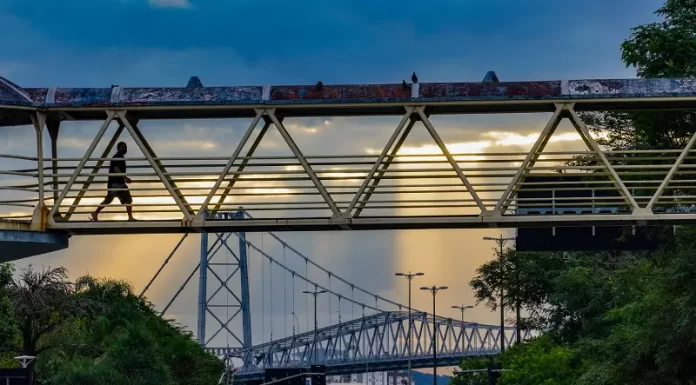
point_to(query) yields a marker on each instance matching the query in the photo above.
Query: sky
(97, 43)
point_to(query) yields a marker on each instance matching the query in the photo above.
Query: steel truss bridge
(376, 343)
(380, 190)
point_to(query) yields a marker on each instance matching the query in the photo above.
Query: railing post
(203, 287)
(38, 220)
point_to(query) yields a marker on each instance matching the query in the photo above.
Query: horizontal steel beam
(381, 366)
(352, 99)
(369, 223)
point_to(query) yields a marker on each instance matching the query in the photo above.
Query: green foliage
(526, 282)
(540, 362)
(612, 318)
(666, 48)
(95, 332)
(127, 342)
(473, 378)
(7, 324)
(657, 50)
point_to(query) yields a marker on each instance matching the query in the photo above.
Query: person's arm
(118, 171)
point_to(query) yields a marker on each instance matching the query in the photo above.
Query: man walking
(117, 184)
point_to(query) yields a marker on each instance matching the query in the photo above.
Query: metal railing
(414, 185)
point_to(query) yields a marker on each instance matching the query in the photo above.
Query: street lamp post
(434, 289)
(293, 323)
(501, 242)
(462, 308)
(409, 276)
(315, 293)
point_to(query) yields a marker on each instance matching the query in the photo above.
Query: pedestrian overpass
(382, 189)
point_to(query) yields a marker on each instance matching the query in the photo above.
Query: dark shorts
(116, 191)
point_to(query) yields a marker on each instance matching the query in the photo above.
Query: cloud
(170, 3)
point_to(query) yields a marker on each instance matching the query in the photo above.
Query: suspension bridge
(44, 200)
(371, 337)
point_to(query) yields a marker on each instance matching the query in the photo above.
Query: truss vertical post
(244, 271)
(53, 126)
(38, 218)
(203, 289)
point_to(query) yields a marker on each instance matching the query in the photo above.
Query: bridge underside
(446, 360)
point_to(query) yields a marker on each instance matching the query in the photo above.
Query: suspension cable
(308, 281)
(352, 316)
(306, 299)
(263, 293)
(330, 319)
(227, 292)
(293, 306)
(270, 294)
(285, 299)
(310, 261)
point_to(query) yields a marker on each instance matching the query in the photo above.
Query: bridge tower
(223, 288)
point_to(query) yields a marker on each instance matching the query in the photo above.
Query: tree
(473, 378)
(7, 324)
(95, 347)
(652, 334)
(42, 302)
(526, 282)
(540, 362)
(657, 50)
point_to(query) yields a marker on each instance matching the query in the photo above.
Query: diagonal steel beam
(105, 154)
(109, 117)
(385, 166)
(529, 160)
(303, 161)
(157, 166)
(592, 144)
(380, 159)
(230, 162)
(244, 163)
(672, 171)
(450, 159)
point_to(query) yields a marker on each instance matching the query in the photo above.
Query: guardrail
(413, 185)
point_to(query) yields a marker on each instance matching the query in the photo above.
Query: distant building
(379, 378)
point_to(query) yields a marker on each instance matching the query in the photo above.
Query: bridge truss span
(376, 343)
(384, 188)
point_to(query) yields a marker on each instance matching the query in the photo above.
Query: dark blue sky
(100, 42)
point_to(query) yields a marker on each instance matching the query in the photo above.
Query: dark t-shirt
(121, 164)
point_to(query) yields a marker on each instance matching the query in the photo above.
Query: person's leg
(126, 199)
(108, 199)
